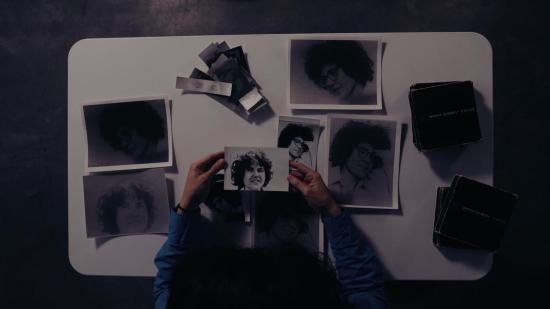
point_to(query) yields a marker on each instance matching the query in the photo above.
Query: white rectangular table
(132, 67)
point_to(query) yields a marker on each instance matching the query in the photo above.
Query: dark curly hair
(352, 134)
(293, 130)
(274, 206)
(347, 55)
(246, 278)
(243, 162)
(139, 116)
(115, 198)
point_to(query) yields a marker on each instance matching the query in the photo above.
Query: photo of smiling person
(335, 74)
(256, 169)
(301, 137)
(363, 161)
(126, 204)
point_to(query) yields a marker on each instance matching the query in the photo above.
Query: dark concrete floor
(35, 37)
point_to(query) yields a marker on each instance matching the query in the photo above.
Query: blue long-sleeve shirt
(357, 267)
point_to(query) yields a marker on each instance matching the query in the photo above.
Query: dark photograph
(363, 162)
(285, 219)
(301, 137)
(256, 169)
(335, 74)
(127, 134)
(125, 204)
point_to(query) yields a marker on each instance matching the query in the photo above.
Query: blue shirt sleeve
(180, 239)
(358, 268)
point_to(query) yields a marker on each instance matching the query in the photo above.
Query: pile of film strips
(228, 80)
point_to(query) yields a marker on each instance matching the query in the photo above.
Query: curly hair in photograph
(244, 162)
(276, 206)
(293, 130)
(115, 198)
(354, 133)
(350, 56)
(137, 116)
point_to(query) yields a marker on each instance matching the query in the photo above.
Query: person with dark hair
(282, 277)
(251, 171)
(343, 68)
(134, 128)
(294, 137)
(126, 210)
(363, 179)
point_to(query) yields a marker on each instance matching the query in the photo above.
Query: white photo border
(110, 168)
(344, 107)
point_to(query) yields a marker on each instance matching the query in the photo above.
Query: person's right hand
(311, 185)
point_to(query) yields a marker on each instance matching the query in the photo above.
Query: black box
(443, 114)
(471, 215)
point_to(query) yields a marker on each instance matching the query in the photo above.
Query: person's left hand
(199, 177)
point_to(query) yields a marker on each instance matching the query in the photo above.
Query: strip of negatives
(127, 134)
(363, 160)
(203, 86)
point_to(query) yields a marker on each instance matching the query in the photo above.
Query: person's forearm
(180, 239)
(358, 269)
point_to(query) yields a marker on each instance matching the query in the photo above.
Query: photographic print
(125, 204)
(285, 219)
(363, 162)
(301, 137)
(128, 134)
(256, 169)
(335, 74)
(230, 205)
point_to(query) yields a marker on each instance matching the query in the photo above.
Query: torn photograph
(256, 169)
(301, 137)
(127, 134)
(125, 204)
(283, 219)
(335, 74)
(363, 162)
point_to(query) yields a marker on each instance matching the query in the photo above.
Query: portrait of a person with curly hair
(341, 72)
(361, 161)
(262, 169)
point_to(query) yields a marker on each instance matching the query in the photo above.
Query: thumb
(216, 167)
(300, 185)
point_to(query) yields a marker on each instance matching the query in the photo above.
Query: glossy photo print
(363, 167)
(126, 204)
(335, 74)
(256, 169)
(301, 137)
(128, 134)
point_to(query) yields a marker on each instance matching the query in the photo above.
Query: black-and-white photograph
(128, 134)
(256, 169)
(125, 204)
(363, 162)
(335, 74)
(285, 219)
(301, 137)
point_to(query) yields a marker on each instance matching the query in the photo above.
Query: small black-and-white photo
(363, 162)
(128, 134)
(335, 74)
(256, 169)
(301, 137)
(125, 204)
(282, 219)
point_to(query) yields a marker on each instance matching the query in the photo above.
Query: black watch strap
(189, 209)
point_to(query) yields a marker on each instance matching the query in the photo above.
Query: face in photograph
(126, 210)
(341, 68)
(251, 171)
(355, 150)
(294, 137)
(133, 128)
